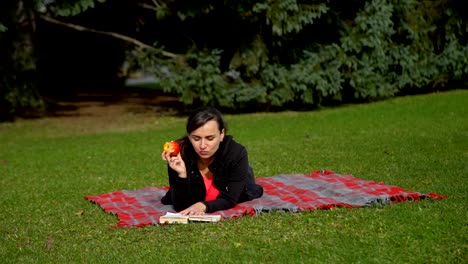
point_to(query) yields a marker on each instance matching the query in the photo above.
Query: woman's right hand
(176, 163)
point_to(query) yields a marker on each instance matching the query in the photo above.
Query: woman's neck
(204, 163)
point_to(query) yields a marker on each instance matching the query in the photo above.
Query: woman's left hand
(196, 209)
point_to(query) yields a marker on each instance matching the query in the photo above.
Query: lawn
(419, 143)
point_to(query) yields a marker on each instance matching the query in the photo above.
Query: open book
(175, 218)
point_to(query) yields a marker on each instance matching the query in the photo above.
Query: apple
(172, 145)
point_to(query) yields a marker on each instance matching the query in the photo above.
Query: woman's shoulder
(231, 147)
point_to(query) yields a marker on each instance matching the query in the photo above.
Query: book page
(178, 218)
(205, 218)
(175, 215)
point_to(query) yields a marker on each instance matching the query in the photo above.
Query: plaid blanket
(285, 192)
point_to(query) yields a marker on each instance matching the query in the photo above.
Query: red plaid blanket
(292, 192)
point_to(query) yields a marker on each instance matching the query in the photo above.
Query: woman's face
(206, 139)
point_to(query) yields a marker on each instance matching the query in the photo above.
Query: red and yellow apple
(171, 146)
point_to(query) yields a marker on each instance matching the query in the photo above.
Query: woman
(212, 171)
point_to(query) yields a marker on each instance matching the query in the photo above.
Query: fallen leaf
(49, 243)
(81, 212)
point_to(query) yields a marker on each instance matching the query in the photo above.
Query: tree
(298, 54)
(41, 51)
(236, 54)
(17, 68)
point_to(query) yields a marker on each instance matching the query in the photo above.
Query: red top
(211, 191)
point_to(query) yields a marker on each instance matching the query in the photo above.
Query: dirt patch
(114, 104)
(103, 112)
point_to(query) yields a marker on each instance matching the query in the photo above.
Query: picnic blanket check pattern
(284, 192)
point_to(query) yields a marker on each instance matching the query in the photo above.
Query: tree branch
(112, 34)
(150, 7)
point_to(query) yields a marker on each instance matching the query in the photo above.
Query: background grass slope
(418, 142)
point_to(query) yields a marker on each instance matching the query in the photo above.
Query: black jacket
(232, 176)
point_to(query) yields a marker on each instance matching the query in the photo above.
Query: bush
(388, 47)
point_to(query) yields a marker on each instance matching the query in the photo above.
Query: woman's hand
(176, 163)
(196, 209)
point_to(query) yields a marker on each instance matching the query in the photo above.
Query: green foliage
(431, 51)
(386, 47)
(18, 91)
(250, 58)
(306, 83)
(367, 45)
(318, 75)
(68, 8)
(452, 61)
(263, 54)
(18, 77)
(201, 81)
(18, 94)
(289, 16)
(3, 28)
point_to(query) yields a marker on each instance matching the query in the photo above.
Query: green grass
(419, 143)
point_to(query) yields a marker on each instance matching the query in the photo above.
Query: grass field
(419, 143)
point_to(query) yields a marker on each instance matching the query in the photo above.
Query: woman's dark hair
(202, 115)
